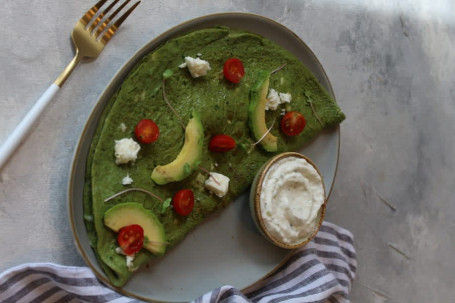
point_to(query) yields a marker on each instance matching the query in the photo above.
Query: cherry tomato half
(146, 131)
(131, 238)
(233, 70)
(221, 143)
(183, 202)
(293, 123)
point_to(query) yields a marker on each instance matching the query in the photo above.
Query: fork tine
(109, 19)
(101, 15)
(92, 12)
(113, 28)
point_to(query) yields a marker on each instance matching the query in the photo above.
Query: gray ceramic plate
(226, 249)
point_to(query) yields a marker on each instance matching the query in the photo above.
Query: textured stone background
(391, 64)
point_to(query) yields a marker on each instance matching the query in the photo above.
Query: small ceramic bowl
(255, 203)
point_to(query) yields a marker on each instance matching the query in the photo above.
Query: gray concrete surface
(391, 64)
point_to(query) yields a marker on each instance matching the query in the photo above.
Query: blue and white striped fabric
(322, 271)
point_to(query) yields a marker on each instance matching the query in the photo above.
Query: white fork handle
(21, 131)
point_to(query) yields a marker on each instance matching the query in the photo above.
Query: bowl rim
(257, 188)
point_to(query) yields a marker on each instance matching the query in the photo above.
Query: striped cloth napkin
(322, 271)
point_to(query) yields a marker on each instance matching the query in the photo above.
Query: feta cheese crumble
(285, 97)
(126, 151)
(197, 67)
(122, 127)
(127, 180)
(129, 259)
(217, 184)
(275, 98)
(129, 263)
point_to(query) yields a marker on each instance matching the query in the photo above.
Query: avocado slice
(256, 112)
(188, 158)
(129, 213)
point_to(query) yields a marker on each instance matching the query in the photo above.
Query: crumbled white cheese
(285, 97)
(127, 180)
(129, 259)
(218, 184)
(126, 150)
(275, 98)
(197, 67)
(122, 127)
(129, 263)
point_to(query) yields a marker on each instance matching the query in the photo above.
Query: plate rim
(170, 33)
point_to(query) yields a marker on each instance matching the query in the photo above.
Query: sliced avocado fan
(256, 112)
(187, 160)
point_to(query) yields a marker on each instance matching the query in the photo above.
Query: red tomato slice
(293, 123)
(146, 131)
(221, 143)
(233, 70)
(183, 202)
(131, 238)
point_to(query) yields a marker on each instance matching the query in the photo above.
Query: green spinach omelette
(184, 88)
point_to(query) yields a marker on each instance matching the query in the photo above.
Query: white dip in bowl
(288, 200)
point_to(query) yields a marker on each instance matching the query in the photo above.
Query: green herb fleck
(168, 73)
(166, 205)
(88, 218)
(244, 146)
(187, 168)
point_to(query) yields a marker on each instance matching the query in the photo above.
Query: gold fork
(89, 36)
